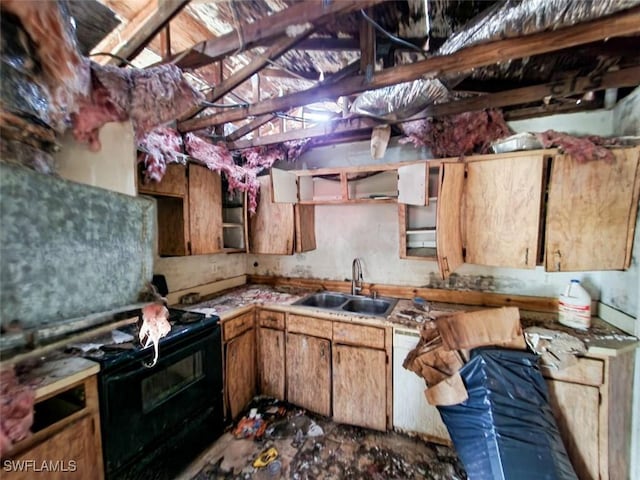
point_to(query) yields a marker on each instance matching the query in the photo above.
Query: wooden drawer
(587, 371)
(316, 327)
(237, 325)
(271, 319)
(362, 335)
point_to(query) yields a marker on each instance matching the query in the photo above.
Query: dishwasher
(411, 412)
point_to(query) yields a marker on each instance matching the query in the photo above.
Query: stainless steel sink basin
(342, 302)
(324, 300)
(369, 306)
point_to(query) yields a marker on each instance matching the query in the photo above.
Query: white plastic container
(574, 306)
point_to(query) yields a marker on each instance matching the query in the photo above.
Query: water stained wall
(68, 249)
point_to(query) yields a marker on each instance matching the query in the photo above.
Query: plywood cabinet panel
(359, 386)
(591, 212)
(575, 408)
(272, 226)
(305, 228)
(240, 372)
(502, 201)
(308, 368)
(309, 326)
(413, 184)
(174, 182)
(72, 450)
(205, 210)
(271, 365)
(448, 231)
(271, 319)
(235, 326)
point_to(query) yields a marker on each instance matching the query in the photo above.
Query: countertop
(601, 339)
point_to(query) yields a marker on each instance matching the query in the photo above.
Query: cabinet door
(576, 408)
(205, 210)
(502, 201)
(272, 226)
(240, 371)
(271, 362)
(305, 228)
(413, 184)
(591, 213)
(308, 369)
(174, 182)
(73, 450)
(359, 386)
(448, 224)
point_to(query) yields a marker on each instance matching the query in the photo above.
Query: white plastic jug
(574, 306)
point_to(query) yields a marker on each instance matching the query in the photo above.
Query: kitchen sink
(342, 302)
(370, 306)
(324, 300)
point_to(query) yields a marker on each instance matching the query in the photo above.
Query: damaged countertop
(601, 339)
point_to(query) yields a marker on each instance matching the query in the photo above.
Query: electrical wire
(397, 40)
(108, 54)
(204, 103)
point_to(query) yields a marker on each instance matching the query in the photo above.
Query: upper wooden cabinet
(502, 199)
(189, 202)
(280, 228)
(591, 212)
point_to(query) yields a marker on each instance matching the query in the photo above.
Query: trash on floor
(303, 446)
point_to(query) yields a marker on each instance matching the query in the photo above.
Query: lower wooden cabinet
(271, 362)
(359, 386)
(240, 363)
(592, 404)
(66, 442)
(308, 371)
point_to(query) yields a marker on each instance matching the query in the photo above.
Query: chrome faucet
(356, 277)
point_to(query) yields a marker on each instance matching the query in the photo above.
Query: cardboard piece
(495, 326)
(450, 391)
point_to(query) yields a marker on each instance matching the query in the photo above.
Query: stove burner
(189, 317)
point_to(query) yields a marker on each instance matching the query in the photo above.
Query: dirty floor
(311, 447)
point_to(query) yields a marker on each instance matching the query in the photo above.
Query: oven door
(144, 409)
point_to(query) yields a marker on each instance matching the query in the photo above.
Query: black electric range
(154, 420)
(185, 325)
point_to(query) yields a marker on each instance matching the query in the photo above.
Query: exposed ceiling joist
(283, 44)
(565, 87)
(552, 109)
(367, 47)
(327, 129)
(250, 127)
(139, 31)
(519, 96)
(626, 23)
(255, 33)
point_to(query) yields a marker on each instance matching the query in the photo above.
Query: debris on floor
(303, 446)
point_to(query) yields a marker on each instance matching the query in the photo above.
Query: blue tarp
(505, 429)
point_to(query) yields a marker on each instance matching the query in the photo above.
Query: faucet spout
(356, 277)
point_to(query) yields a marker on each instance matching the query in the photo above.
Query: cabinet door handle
(526, 256)
(277, 341)
(322, 352)
(338, 357)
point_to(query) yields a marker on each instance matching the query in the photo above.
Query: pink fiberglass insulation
(582, 149)
(65, 70)
(160, 94)
(16, 410)
(148, 97)
(160, 146)
(108, 101)
(219, 159)
(457, 135)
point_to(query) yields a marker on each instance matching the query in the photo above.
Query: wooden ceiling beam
(367, 47)
(626, 23)
(250, 127)
(139, 31)
(265, 28)
(552, 109)
(326, 129)
(519, 96)
(628, 77)
(283, 44)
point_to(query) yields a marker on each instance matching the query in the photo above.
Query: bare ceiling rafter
(626, 23)
(130, 41)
